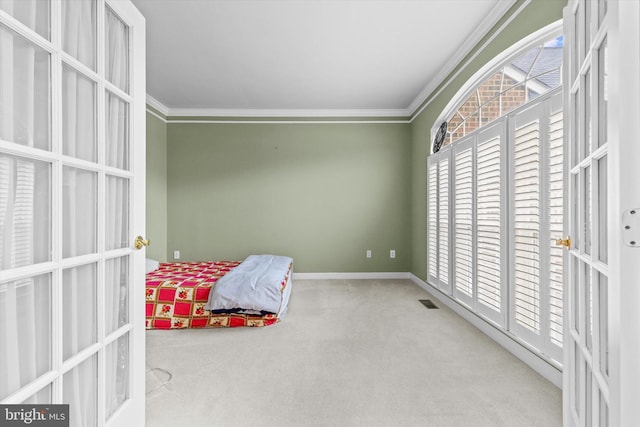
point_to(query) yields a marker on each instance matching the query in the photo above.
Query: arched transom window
(522, 79)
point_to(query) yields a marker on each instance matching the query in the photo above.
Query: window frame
(498, 63)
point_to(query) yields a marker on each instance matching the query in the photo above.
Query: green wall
(538, 14)
(156, 205)
(321, 193)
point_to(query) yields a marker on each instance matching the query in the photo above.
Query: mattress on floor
(176, 294)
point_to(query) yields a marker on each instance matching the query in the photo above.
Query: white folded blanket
(255, 284)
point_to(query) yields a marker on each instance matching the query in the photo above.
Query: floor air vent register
(428, 303)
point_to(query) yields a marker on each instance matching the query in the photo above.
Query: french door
(72, 167)
(602, 339)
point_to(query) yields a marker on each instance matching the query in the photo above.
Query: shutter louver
(488, 193)
(443, 222)
(556, 219)
(432, 220)
(526, 216)
(463, 269)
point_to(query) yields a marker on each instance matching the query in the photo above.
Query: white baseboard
(350, 276)
(543, 367)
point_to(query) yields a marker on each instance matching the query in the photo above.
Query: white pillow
(151, 264)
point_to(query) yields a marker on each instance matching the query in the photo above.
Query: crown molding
(374, 115)
(290, 121)
(157, 105)
(497, 13)
(156, 115)
(279, 113)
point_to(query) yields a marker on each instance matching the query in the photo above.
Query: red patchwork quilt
(177, 292)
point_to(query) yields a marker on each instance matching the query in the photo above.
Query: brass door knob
(564, 242)
(140, 242)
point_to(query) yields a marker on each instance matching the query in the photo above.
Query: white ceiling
(306, 57)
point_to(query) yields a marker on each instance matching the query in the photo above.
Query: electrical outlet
(368, 253)
(176, 254)
(392, 253)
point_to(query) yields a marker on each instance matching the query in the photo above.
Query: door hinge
(631, 227)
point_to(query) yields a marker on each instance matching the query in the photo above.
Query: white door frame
(624, 195)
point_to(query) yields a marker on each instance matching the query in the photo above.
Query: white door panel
(72, 168)
(602, 86)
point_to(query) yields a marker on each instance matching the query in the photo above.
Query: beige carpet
(349, 353)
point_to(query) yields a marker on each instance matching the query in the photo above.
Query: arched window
(521, 78)
(495, 196)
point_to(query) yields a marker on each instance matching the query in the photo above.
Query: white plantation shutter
(490, 252)
(555, 221)
(463, 221)
(432, 218)
(443, 223)
(536, 218)
(495, 206)
(526, 224)
(438, 217)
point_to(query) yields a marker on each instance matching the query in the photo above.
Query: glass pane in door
(117, 51)
(41, 397)
(577, 369)
(80, 387)
(586, 209)
(79, 209)
(116, 293)
(117, 215)
(32, 13)
(603, 93)
(587, 25)
(79, 308)
(117, 136)
(602, 11)
(25, 211)
(574, 227)
(588, 410)
(588, 125)
(578, 42)
(79, 30)
(25, 332)
(25, 92)
(78, 115)
(604, 412)
(117, 365)
(588, 305)
(603, 289)
(603, 211)
(575, 295)
(575, 131)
